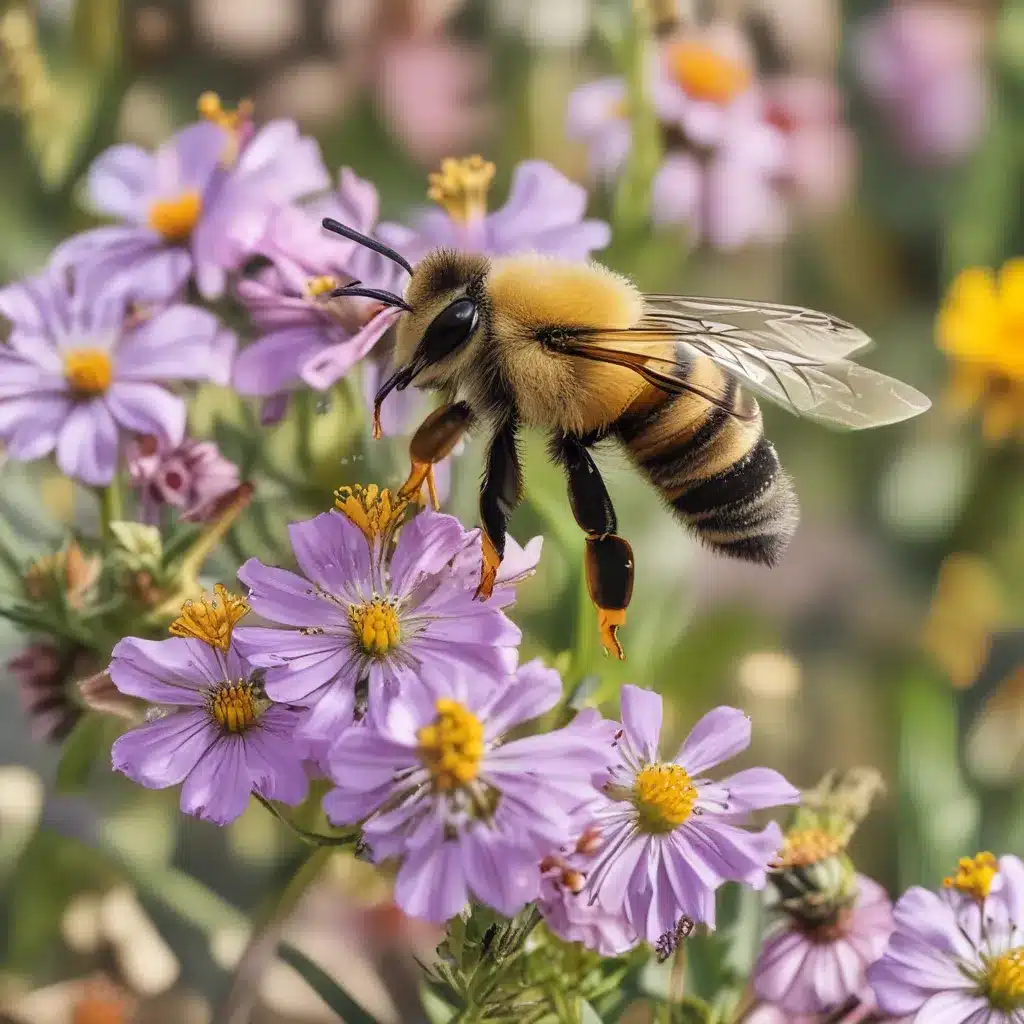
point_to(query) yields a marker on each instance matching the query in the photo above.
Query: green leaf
(588, 1015)
(325, 987)
(938, 812)
(88, 744)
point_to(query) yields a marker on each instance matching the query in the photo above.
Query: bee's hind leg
(609, 558)
(433, 441)
(500, 493)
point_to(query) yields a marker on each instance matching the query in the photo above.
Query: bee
(577, 351)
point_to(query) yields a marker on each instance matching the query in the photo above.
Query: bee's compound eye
(451, 328)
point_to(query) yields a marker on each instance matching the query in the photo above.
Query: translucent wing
(791, 356)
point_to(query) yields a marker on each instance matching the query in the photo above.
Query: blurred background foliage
(892, 634)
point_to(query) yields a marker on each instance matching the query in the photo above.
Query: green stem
(111, 508)
(309, 838)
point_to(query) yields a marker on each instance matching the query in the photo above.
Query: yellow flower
(981, 330)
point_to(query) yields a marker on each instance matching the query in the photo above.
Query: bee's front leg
(433, 441)
(609, 558)
(502, 488)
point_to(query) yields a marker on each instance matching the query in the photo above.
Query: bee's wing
(791, 356)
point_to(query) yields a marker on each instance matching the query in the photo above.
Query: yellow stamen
(806, 846)
(371, 508)
(1004, 981)
(210, 108)
(376, 627)
(175, 218)
(210, 619)
(88, 371)
(664, 797)
(235, 706)
(317, 286)
(461, 187)
(452, 746)
(706, 74)
(974, 876)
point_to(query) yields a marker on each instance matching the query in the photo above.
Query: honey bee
(577, 351)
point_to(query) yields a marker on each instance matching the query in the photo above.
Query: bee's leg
(500, 493)
(433, 441)
(609, 558)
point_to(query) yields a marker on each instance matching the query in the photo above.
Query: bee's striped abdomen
(718, 471)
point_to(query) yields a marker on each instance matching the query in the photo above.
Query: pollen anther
(461, 187)
(705, 74)
(663, 795)
(88, 371)
(235, 707)
(373, 509)
(376, 626)
(175, 218)
(806, 846)
(210, 619)
(452, 746)
(1004, 980)
(974, 876)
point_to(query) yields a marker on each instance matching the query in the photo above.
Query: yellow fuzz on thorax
(806, 846)
(175, 218)
(235, 706)
(664, 797)
(210, 619)
(461, 187)
(451, 747)
(1004, 980)
(974, 876)
(376, 626)
(317, 286)
(373, 509)
(88, 371)
(705, 74)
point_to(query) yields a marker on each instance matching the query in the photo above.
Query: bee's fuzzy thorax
(543, 291)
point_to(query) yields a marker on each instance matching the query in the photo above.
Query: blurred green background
(891, 634)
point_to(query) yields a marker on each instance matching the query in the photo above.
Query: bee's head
(442, 313)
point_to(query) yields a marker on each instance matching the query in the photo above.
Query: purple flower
(212, 728)
(42, 672)
(671, 835)
(75, 373)
(543, 213)
(193, 477)
(191, 208)
(817, 969)
(468, 812)
(958, 957)
(307, 337)
(923, 63)
(358, 614)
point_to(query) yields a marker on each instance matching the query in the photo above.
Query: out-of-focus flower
(671, 835)
(468, 812)
(69, 573)
(564, 905)
(194, 477)
(194, 207)
(75, 373)
(42, 674)
(306, 336)
(820, 150)
(979, 329)
(212, 727)
(543, 213)
(958, 956)
(723, 157)
(923, 63)
(95, 1000)
(360, 611)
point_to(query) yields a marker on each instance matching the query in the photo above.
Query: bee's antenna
(370, 243)
(388, 298)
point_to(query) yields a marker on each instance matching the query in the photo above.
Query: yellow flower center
(664, 797)
(317, 286)
(704, 74)
(461, 187)
(88, 371)
(1004, 981)
(806, 846)
(452, 746)
(235, 706)
(376, 627)
(373, 509)
(175, 218)
(974, 876)
(210, 619)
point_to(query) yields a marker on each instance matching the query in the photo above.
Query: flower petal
(536, 689)
(148, 409)
(87, 445)
(283, 596)
(721, 734)
(177, 343)
(118, 180)
(432, 883)
(172, 671)
(218, 787)
(162, 753)
(331, 551)
(641, 716)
